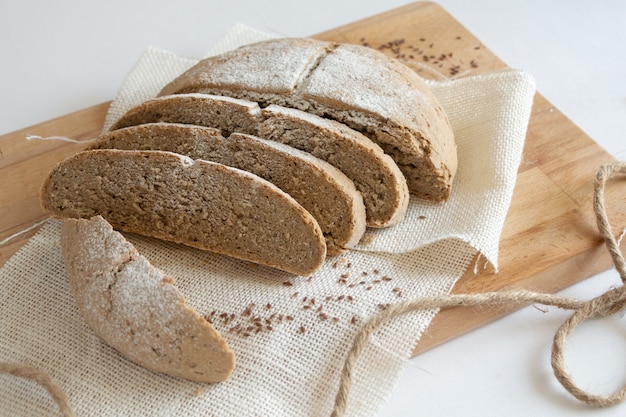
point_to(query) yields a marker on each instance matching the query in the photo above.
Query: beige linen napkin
(290, 367)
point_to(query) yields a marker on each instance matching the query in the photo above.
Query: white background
(63, 55)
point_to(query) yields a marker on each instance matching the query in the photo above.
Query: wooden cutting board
(549, 241)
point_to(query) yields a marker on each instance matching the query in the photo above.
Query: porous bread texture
(355, 85)
(320, 188)
(375, 174)
(197, 203)
(136, 309)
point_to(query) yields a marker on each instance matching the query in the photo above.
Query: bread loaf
(320, 188)
(374, 173)
(135, 308)
(355, 85)
(197, 203)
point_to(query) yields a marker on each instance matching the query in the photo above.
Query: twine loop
(611, 302)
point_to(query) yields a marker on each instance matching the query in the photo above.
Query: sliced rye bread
(374, 173)
(197, 203)
(355, 85)
(319, 187)
(136, 309)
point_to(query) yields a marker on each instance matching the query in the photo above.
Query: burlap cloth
(290, 365)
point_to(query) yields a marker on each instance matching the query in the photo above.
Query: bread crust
(136, 309)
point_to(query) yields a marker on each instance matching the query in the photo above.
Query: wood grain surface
(549, 240)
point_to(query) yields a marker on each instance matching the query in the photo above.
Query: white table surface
(63, 55)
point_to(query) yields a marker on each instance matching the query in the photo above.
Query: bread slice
(320, 188)
(226, 113)
(135, 308)
(197, 203)
(355, 85)
(374, 173)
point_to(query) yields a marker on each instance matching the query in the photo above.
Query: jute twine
(609, 303)
(42, 378)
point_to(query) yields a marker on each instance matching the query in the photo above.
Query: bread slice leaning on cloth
(375, 174)
(136, 309)
(197, 203)
(363, 88)
(320, 188)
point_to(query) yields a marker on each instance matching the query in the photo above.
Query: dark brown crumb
(287, 284)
